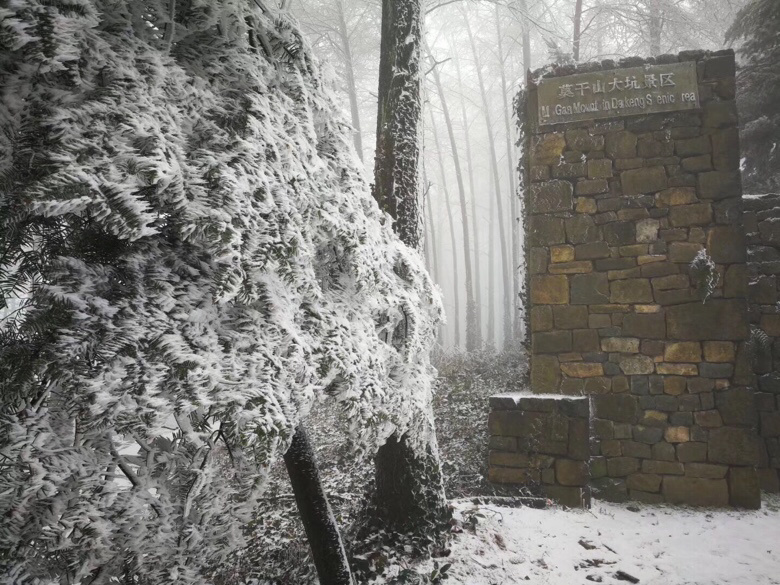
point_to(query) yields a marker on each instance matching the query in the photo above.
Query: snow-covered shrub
(196, 260)
(704, 274)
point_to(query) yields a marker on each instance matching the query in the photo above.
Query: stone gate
(631, 173)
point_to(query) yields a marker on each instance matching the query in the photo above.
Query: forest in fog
(476, 56)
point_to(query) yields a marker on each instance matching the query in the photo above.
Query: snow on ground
(661, 545)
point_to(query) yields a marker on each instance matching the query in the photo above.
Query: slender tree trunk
(409, 491)
(322, 531)
(346, 49)
(473, 196)
(456, 279)
(472, 333)
(434, 245)
(577, 30)
(491, 268)
(505, 261)
(526, 27)
(510, 161)
(655, 26)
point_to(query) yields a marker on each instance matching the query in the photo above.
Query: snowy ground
(661, 545)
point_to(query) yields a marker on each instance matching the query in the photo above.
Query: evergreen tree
(189, 258)
(758, 93)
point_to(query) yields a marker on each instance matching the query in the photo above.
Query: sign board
(635, 91)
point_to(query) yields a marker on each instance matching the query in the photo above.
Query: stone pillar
(762, 224)
(540, 443)
(622, 196)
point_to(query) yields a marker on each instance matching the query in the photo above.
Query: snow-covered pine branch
(200, 260)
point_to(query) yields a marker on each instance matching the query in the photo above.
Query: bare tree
(472, 332)
(505, 261)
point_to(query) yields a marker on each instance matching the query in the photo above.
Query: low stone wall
(762, 224)
(541, 443)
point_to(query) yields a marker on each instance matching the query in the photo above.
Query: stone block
(599, 168)
(544, 230)
(635, 449)
(771, 325)
(736, 281)
(737, 406)
(620, 233)
(770, 424)
(581, 229)
(693, 146)
(571, 497)
(576, 267)
(513, 475)
(622, 408)
(591, 186)
(592, 251)
(654, 418)
(505, 459)
(683, 351)
(588, 289)
(726, 244)
(551, 342)
(547, 149)
(502, 443)
(545, 374)
(636, 365)
(697, 164)
(671, 282)
(648, 435)
(688, 215)
(719, 185)
(647, 230)
(539, 173)
(570, 316)
(725, 149)
(585, 205)
(676, 196)
(516, 423)
(708, 419)
(677, 369)
(622, 466)
(708, 370)
(620, 344)
(720, 67)
(664, 452)
(581, 139)
(571, 473)
(644, 180)
(562, 253)
(695, 491)
(564, 170)
(674, 385)
(662, 467)
(768, 480)
(763, 290)
(537, 261)
(717, 320)
(621, 145)
(645, 326)
(541, 318)
(744, 489)
(733, 446)
(551, 196)
(549, 290)
(646, 482)
(677, 435)
(582, 369)
(585, 340)
(579, 447)
(683, 251)
(706, 470)
(634, 290)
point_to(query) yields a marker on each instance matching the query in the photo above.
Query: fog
(479, 53)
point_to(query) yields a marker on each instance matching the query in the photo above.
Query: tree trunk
(510, 161)
(507, 284)
(655, 26)
(526, 41)
(577, 28)
(445, 190)
(350, 71)
(322, 531)
(472, 333)
(491, 269)
(473, 194)
(409, 492)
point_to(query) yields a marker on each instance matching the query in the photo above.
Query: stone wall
(762, 224)
(616, 211)
(541, 443)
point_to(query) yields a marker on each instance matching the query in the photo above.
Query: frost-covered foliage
(192, 258)
(704, 274)
(758, 92)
